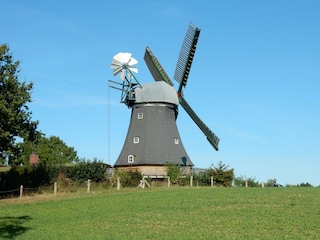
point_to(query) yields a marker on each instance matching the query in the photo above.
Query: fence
(23, 191)
(19, 191)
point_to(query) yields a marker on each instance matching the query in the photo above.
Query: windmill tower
(153, 138)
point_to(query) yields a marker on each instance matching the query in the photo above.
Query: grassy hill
(166, 213)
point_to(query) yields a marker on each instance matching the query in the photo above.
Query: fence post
(55, 189)
(191, 180)
(246, 183)
(88, 185)
(145, 181)
(21, 191)
(118, 183)
(262, 184)
(168, 181)
(211, 181)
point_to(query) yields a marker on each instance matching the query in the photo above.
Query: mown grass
(166, 213)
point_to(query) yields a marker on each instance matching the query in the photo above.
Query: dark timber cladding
(153, 137)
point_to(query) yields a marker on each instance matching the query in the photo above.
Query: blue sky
(254, 79)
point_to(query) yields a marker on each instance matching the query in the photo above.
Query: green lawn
(167, 213)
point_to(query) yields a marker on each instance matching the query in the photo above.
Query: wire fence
(27, 191)
(9, 191)
(19, 192)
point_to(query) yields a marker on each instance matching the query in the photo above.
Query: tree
(15, 120)
(51, 150)
(271, 182)
(173, 171)
(241, 182)
(222, 176)
(304, 185)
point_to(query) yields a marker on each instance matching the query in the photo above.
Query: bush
(81, 172)
(29, 176)
(174, 172)
(202, 178)
(45, 174)
(241, 182)
(127, 179)
(222, 175)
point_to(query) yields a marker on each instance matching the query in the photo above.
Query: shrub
(222, 175)
(29, 176)
(81, 172)
(174, 172)
(127, 179)
(241, 182)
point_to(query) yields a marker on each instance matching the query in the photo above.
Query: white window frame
(136, 140)
(130, 158)
(140, 115)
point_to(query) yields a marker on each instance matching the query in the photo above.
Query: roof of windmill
(157, 91)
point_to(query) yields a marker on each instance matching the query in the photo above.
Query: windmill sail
(212, 138)
(185, 59)
(155, 67)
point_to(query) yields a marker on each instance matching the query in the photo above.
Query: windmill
(153, 138)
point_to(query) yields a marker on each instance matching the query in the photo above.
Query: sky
(254, 79)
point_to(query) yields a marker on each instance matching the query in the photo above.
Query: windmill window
(136, 140)
(176, 141)
(140, 115)
(130, 159)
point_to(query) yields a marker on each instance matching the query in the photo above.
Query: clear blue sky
(254, 79)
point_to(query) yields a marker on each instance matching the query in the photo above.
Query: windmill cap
(158, 91)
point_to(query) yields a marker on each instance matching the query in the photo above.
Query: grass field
(166, 213)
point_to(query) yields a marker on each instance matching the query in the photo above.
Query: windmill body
(153, 139)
